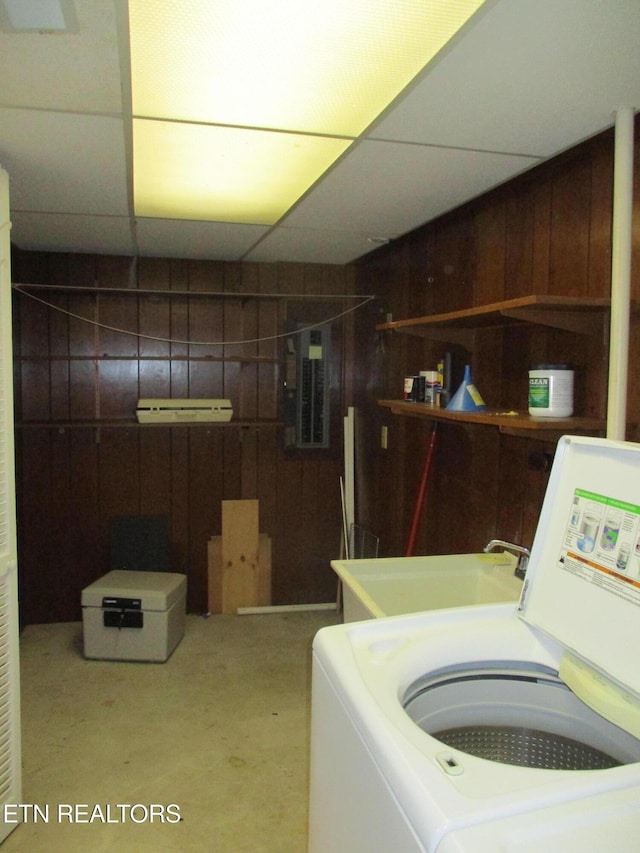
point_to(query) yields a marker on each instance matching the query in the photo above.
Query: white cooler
(134, 615)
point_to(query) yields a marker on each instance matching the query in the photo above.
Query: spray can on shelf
(431, 386)
(444, 379)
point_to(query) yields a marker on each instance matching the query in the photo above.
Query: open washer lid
(583, 580)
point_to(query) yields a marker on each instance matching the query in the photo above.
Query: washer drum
(517, 714)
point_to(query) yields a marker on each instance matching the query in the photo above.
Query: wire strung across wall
(96, 323)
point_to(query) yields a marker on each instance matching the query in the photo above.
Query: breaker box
(307, 391)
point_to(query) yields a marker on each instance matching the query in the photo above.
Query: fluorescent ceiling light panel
(320, 68)
(224, 174)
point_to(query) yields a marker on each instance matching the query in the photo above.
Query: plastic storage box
(137, 616)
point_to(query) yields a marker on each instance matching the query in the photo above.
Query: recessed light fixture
(239, 106)
(42, 16)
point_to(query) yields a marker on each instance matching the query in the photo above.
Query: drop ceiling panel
(528, 77)
(206, 240)
(63, 162)
(386, 188)
(311, 246)
(532, 76)
(58, 232)
(65, 71)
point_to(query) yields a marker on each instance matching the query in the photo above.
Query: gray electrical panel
(307, 387)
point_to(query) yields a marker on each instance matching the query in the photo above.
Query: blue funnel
(467, 398)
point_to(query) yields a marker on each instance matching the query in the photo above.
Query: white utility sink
(391, 586)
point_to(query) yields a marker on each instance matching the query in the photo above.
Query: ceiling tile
(207, 240)
(386, 188)
(532, 76)
(64, 162)
(311, 246)
(526, 77)
(58, 232)
(65, 71)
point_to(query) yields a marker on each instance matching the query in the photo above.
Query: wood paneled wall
(547, 232)
(74, 479)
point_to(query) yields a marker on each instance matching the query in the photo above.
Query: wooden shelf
(586, 316)
(507, 422)
(574, 314)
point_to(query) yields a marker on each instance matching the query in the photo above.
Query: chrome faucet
(521, 552)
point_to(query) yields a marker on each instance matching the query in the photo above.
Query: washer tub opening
(516, 713)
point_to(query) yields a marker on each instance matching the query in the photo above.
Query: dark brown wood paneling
(490, 225)
(599, 277)
(88, 537)
(546, 232)
(179, 504)
(570, 217)
(40, 566)
(520, 213)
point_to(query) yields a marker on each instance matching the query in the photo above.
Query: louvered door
(10, 772)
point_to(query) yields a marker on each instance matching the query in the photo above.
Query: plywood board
(240, 540)
(215, 573)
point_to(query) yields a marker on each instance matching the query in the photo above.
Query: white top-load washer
(497, 727)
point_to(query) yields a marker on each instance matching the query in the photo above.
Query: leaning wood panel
(240, 532)
(216, 574)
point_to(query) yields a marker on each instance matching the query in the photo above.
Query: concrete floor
(221, 730)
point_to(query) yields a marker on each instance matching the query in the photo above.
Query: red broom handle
(422, 491)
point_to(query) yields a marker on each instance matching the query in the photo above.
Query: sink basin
(391, 586)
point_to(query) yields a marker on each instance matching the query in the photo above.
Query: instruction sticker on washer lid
(602, 543)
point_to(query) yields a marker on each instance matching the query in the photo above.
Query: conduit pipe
(620, 274)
